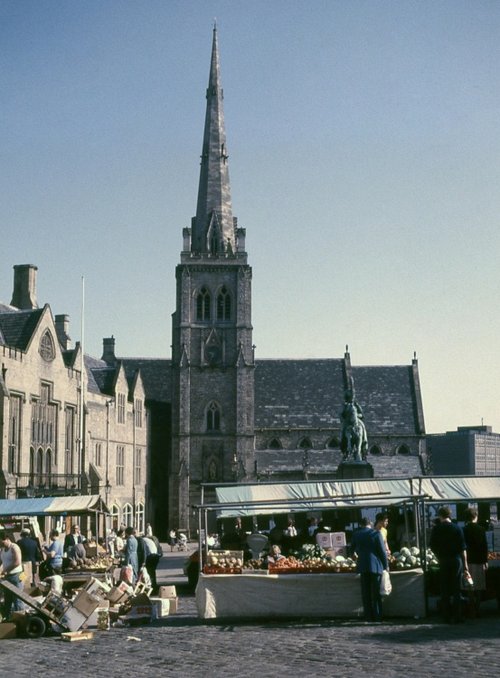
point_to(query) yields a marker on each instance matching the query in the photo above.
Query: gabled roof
(291, 394)
(100, 376)
(17, 327)
(156, 375)
(387, 397)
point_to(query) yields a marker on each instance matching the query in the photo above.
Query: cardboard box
(120, 593)
(167, 592)
(324, 539)
(85, 603)
(161, 607)
(174, 605)
(338, 539)
(71, 636)
(73, 619)
(8, 630)
(93, 619)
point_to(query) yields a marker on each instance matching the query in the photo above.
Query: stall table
(303, 595)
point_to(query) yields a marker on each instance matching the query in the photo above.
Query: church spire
(213, 228)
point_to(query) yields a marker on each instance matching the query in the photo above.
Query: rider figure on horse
(353, 438)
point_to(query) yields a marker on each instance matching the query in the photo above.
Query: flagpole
(82, 383)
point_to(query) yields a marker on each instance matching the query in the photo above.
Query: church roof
(387, 397)
(298, 393)
(291, 394)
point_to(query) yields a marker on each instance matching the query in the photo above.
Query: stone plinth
(354, 470)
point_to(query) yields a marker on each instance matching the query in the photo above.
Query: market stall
(303, 595)
(306, 591)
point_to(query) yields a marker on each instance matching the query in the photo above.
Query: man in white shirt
(10, 569)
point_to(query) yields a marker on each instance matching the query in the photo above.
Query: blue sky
(364, 143)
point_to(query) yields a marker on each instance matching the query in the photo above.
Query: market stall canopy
(52, 506)
(307, 496)
(268, 498)
(459, 488)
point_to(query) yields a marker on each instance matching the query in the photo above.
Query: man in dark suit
(368, 544)
(72, 539)
(30, 551)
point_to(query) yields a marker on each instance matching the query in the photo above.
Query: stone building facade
(53, 441)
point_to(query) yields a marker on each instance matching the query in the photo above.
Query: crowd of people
(136, 553)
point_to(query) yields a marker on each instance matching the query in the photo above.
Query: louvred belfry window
(203, 305)
(223, 305)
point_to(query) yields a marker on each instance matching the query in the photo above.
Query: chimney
(24, 295)
(108, 350)
(62, 327)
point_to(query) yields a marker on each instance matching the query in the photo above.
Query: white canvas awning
(268, 498)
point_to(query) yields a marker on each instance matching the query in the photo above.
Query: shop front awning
(52, 506)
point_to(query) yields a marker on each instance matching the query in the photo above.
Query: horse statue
(354, 441)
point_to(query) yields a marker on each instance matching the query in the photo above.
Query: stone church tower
(212, 351)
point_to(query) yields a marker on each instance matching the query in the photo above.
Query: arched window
(213, 417)
(39, 465)
(333, 443)
(305, 444)
(115, 516)
(139, 517)
(275, 444)
(32, 466)
(127, 515)
(403, 449)
(48, 462)
(203, 305)
(375, 449)
(224, 304)
(47, 349)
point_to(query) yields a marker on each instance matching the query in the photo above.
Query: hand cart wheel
(35, 626)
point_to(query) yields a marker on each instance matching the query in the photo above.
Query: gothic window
(224, 305)
(120, 466)
(69, 440)
(139, 517)
(48, 462)
(115, 516)
(14, 432)
(213, 417)
(127, 515)
(305, 444)
(121, 408)
(214, 241)
(375, 450)
(403, 449)
(46, 349)
(333, 443)
(275, 444)
(32, 466)
(138, 413)
(203, 305)
(138, 466)
(98, 454)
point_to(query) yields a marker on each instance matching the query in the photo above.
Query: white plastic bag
(385, 583)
